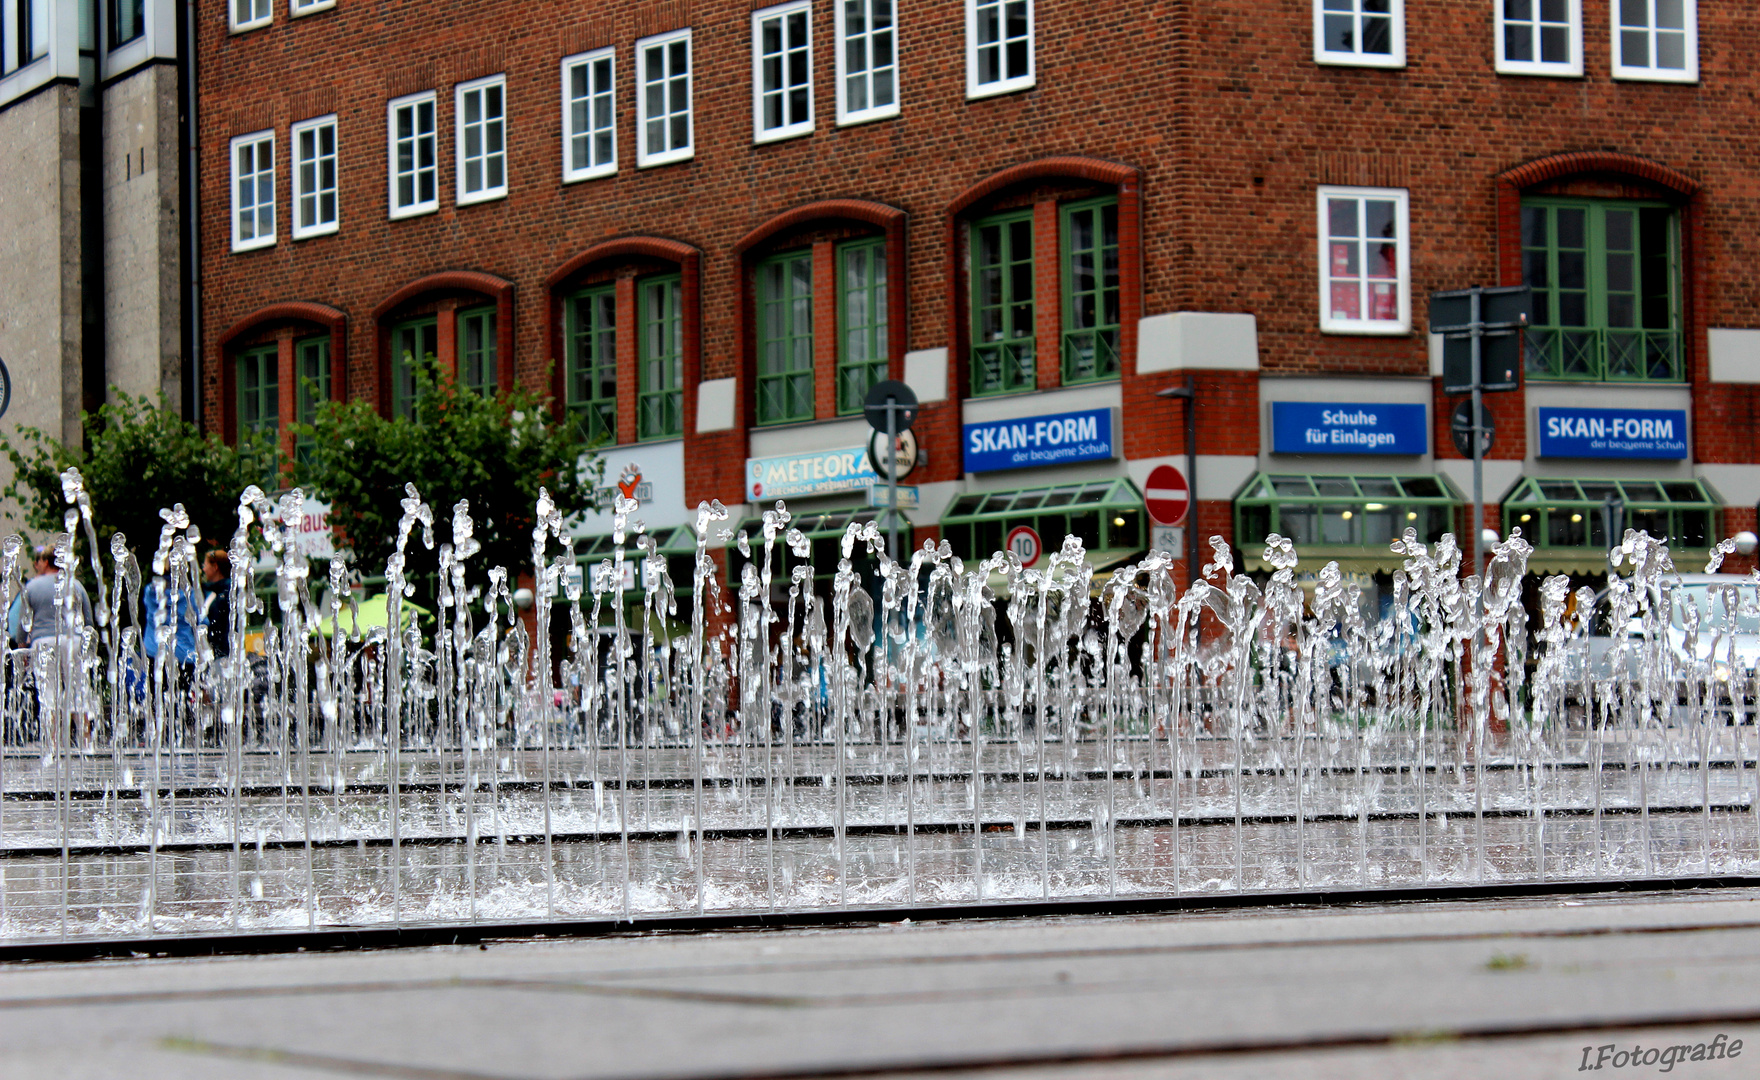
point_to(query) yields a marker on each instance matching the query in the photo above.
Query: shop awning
(1351, 520)
(1106, 514)
(824, 530)
(1565, 518)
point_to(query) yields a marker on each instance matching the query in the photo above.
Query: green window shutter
(312, 366)
(477, 358)
(660, 363)
(1606, 287)
(1002, 303)
(785, 338)
(862, 344)
(1090, 290)
(590, 379)
(414, 345)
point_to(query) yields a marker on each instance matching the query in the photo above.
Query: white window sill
(1624, 74)
(997, 89)
(254, 245)
(316, 231)
(418, 210)
(793, 131)
(597, 173)
(242, 28)
(867, 116)
(1537, 70)
(482, 197)
(1367, 60)
(670, 158)
(297, 10)
(1365, 328)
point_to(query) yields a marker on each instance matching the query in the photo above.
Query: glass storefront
(1342, 517)
(1107, 515)
(825, 532)
(1565, 519)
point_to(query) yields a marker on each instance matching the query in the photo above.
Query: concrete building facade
(705, 227)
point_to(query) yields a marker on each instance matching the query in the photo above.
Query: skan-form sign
(1055, 439)
(1335, 427)
(1613, 433)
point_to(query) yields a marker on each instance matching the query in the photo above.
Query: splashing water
(869, 733)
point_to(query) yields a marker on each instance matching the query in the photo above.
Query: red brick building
(705, 228)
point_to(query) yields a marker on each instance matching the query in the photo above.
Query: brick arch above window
(617, 254)
(1665, 180)
(278, 316)
(1127, 180)
(888, 218)
(498, 290)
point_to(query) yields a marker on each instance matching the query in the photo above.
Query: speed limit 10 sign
(1024, 542)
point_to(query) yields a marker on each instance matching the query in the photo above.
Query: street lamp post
(1191, 399)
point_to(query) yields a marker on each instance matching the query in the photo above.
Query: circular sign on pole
(5, 388)
(1023, 540)
(1460, 425)
(902, 398)
(904, 447)
(1167, 495)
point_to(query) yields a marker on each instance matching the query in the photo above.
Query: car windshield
(1709, 600)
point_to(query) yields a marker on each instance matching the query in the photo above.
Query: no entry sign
(1023, 540)
(1167, 495)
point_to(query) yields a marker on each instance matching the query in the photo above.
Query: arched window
(278, 364)
(457, 323)
(623, 331)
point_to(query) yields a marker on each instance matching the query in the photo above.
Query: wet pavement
(1505, 989)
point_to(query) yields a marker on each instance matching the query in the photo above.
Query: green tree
(138, 458)
(494, 451)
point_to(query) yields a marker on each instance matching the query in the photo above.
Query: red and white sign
(1167, 495)
(1024, 542)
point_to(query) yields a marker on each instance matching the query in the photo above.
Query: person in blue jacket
(153, 616)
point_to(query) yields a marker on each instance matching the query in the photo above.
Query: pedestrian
(154, 618)
(52, 635)
(217, 608)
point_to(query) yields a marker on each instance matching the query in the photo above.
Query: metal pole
(1478, 436)
(1191, 482)
(892, 477)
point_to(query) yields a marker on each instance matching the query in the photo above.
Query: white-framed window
(412, 169)
(253, 191)
(589, 115)
(1656, 40)
(314, 177)
(480, 141)
(249, 14)
(663, 99)
(1360, 33)
(999, 46)
(296, 8)
(1539, 37)
(24, 34)
(1365, 263)
(867, 60)
(782, 71)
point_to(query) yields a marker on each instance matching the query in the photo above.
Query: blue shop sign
(1614, 433)
(823, 472)
(1348, 427)
(1027, 441)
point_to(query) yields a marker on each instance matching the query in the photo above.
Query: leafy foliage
(138, 458)
(494, 451)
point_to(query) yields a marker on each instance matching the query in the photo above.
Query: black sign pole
(892, 477)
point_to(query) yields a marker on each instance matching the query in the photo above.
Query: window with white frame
(782, 72)
(253, 191)
(999, 46)
(589, 119)
(314, 177)
(297, 8)
(1539, 37)
(663, 99)
(1364, 261)
(250, 14)
(1656, 40)
(24, 33)
(480, 111)
(1363, 33)
(867, 60)
(414, 172)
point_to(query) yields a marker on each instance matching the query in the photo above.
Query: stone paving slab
(1509, 989)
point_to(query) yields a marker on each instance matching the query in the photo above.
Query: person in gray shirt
(38, 595)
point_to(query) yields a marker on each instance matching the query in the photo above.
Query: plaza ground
(1511, 989)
